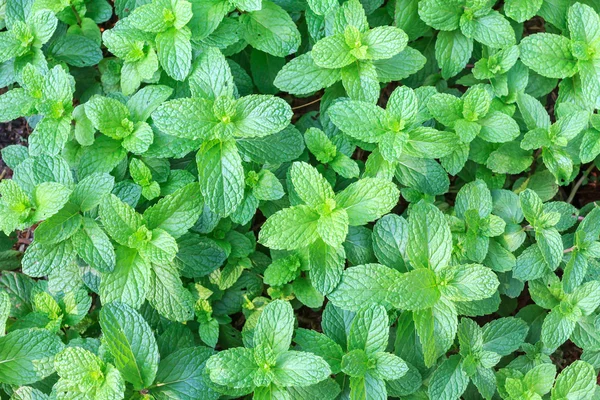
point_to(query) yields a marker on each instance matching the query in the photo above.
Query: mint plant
(362, 358)
(320, 199)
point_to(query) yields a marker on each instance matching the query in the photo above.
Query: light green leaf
(429, 238)
(271, 30)
(452, 52)
(549, 55)
(577, 381)
(27, 356)
(296, 368)
(131, 342)
(129, 282)
(310, 185)
(416, 290)
(449, 381)
(180, 376)
(369, 331)
(221, 176)
(275, 327)
(94, 247)
(175, 52)
(365, 284)
(290, 228)
(367, 199)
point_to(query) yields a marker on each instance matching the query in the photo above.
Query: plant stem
(307, 104)
(579, 183)
(76, 14)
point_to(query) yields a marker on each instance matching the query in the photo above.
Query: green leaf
(575, 381)
(290, 228)
(207, 15)
(521, 10)
(221, 176)
(365, 284)
(550, 244)
(584, 23)
(175, 52)
(94, 247)
(452, 52)
(361, 120)
(504, 335)
(28, 393)
(77, 364)
(271, 30)
(278, 148)
(416, 290)
(233, 367)
(498, 127)
(296, 368)
(27, 356)
(333, 228)
(107, 115)
(129, 282)
(14, 104)
(441, 14)
(90, 190)
(326, 265)
(60, 226)
(557, 328)
(302, 76)
(367, 200)
(390, 237)
(436, 328)
(590, 145)
(261, 115)
(449, 381)
(389, 366)
(176, 213)
(404, 64)
(509, 158)
(167, 294)
(188, 118)
(76, 50)
(120, 219)
(180, 375)
(369, 331)
(310, 185)
(131, 342)
(429, 239)
(275, 327)
(48, 199)
(332, 52)
(211, 77)
(361, 82)
(540, 378)
(473, 196)
(355, 363)
(468, 282)
(4, 311)
(492, 30)
(103, 156)
(384, 42)
(321, 7)
(424, 175)
(549, 55)
(321, 345)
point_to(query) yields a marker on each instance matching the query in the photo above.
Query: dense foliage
(300, 199)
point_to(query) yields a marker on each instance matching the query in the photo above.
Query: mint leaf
(27, 355)
(131, 343)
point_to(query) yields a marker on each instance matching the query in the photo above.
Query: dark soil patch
(14, 132)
